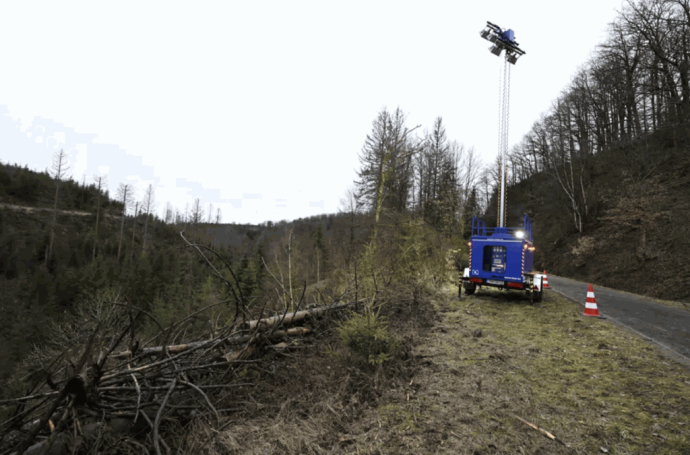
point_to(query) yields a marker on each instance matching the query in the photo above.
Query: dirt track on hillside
(47, 209)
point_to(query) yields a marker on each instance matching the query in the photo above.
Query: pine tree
(258, 263)
(438, 184)
(385, 175)
(246, 278)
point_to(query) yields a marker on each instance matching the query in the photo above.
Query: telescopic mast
(503, 40)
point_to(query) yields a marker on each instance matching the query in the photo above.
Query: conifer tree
(246, 278)
(320, 246)
(385, 176)
(258, 263)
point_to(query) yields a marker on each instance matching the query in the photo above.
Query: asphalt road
(665, 326)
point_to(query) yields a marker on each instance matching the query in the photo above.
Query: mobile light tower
(503, 40)
(502, 257)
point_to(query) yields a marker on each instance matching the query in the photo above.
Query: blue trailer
(502, 257)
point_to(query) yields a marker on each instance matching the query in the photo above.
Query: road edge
(664, 349)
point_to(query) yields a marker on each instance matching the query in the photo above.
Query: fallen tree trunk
(265, 323)
(291, 318)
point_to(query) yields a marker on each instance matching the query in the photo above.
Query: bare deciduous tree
(101, 182)
(352, 207)
(148, 204)
(197, 215)
(169, 214)
(124, 195)
(134, 227)
(59, 173)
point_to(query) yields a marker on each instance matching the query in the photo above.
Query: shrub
(368, 337)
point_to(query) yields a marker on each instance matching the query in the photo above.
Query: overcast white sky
(261, 107)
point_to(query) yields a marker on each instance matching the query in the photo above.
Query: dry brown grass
(461, 385)
(319, 399)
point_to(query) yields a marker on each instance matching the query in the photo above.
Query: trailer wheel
(470, 288)
(538, 296)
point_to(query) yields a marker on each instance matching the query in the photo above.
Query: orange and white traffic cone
(591, 303)
(546, 281)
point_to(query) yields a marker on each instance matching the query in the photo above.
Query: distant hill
(168, 275)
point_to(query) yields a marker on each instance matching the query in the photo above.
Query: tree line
(427, 174)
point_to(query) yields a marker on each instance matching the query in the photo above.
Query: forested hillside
(604, 172)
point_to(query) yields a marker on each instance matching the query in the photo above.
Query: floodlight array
(502, 40)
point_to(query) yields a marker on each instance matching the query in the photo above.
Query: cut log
(292, 332)
(291, 318)
(265, 323)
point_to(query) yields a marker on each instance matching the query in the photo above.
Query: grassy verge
(495, 358)
(674, 304)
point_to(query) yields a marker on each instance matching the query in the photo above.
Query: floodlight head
(485, 34)
(492, 38)
(512, 58)
(496, 50)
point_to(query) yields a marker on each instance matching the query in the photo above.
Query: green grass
(586, 376)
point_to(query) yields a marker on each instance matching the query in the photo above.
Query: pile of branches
(139, 389)
(111, 394)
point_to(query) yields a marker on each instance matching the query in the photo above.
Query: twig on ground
(540, 430)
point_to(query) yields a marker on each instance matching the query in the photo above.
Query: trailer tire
(538, 296)
(470, 288)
